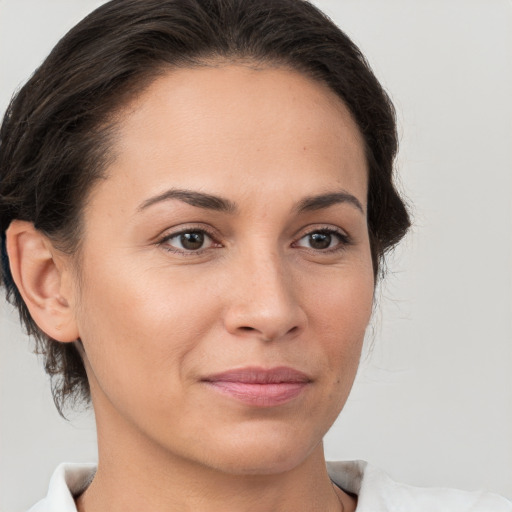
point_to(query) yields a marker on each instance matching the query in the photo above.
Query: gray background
(433, 400)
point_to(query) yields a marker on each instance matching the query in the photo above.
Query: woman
(195, 199)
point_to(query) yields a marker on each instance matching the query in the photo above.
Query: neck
(129, 480)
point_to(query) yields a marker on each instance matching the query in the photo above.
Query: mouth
(260, 387)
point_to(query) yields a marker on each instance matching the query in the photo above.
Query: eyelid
(173, 233)
(313, 228)
(344, 237)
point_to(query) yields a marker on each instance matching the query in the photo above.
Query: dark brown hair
(54, 140)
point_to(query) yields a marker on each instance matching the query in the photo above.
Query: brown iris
(192, 240)
(320, 240)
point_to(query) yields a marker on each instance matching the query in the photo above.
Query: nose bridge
(264, 302)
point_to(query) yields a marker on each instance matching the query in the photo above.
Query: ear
(43, 280)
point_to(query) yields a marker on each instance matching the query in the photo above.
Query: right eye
(194, 240)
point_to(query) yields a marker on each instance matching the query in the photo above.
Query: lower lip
(260, 395)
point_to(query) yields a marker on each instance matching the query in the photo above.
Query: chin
(259, 464)
(261, 455)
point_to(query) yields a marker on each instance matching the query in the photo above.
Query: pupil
(320, 240)
(192, 241)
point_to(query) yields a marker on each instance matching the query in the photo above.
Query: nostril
(268, 336)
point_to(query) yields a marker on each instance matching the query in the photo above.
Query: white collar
(375, 490)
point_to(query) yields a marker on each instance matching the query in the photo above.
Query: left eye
(321, 240)
(189, 241)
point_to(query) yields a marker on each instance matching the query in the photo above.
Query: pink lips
(260, 387)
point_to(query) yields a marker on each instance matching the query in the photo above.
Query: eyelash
(343, 238)
(163, 242)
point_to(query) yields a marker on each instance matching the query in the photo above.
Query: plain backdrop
(433, 400)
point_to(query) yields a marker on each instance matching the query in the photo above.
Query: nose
(264, 300)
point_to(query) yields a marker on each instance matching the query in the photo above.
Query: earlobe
(39, 277)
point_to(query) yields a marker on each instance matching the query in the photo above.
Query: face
(226, 279)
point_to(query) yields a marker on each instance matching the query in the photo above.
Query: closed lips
(260, 376)
(258, 387)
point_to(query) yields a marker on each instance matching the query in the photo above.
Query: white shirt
(375, 490)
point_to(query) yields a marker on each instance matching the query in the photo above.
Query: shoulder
(67, 481)
(378, 493)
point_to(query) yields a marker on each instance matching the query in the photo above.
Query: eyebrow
(220, 204)
(198, 199)
(325, 200)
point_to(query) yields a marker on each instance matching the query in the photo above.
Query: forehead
(210, 127)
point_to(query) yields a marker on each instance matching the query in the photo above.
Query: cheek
(342, 303)
(340, 311)
(137, 327)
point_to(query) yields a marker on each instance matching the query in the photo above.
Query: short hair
(54, 139)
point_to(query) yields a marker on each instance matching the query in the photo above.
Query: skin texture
(156, 319)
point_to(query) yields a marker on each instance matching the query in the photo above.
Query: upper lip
(257, 375)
